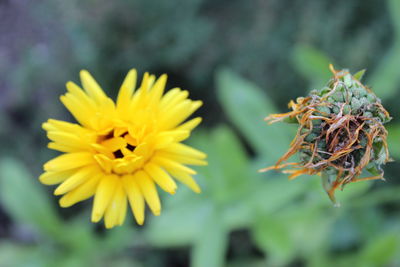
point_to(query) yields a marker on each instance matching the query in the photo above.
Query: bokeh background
(244, 59)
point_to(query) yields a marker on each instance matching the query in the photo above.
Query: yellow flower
(119, 151)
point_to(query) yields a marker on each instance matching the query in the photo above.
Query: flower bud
(341, 134)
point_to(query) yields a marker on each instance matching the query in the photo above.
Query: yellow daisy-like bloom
(121, 150)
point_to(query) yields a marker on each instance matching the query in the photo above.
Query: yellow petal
(182, 159)
(170, 164)
(105, 162)
(102, 150)
(50, 178)
(92, 87)
(176, 135)
(178, 114)
(113, 144)
(82, 192)
(184, 150)
(156, 92)
(63, 148)
(161, 177)
(180, 172)
(139, 98)
(115, 207)
(75, 180)
(150, 82)
(190, 125)
(118, 131)
(54, 125)
(79, 94)
(135, 197)
(172, 98)
(104, 193)
(162, 141)
(69, 161)
(145, 85)
(79, 110)
(142, 150)
(126, 91)
(123, 210)
(149, 191)
(66, 139)
(185, 178)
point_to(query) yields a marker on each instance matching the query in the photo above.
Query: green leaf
(118, 238)
(22, 256)
(228, 174)
(312, 64)
(297, 209)
(247, 261)
(225, 181)
(238, 214)
(385, 80)
(24, 198)
(393, 140)
(273, 237)
(210, 247)
(394, 9)
(311, 222)
(375, 197)
(179, 224)
(278, 192)
(79, 237)
(230, 150)
(380, 251)
(247, 106)
(353, 190)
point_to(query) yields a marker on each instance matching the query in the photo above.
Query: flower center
(120, 152)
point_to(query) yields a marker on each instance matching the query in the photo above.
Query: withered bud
(340, 133)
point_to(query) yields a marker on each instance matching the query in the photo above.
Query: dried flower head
(340, 133)
(118, 152)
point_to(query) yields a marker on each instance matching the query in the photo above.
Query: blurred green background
(244, 59)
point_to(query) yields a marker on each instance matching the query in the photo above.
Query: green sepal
(290, 120)
(360, 74)
(373, 169)
(328, 180)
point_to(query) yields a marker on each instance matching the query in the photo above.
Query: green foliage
(210, 247)
(225, 173)
(393, 140)
(287, 220)
(283, 49)
(380, 249)
(222, 206)
(312, 64)
(72, 243)
(246, 106)
(386, 79)
(272, 236)
(24, 198)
